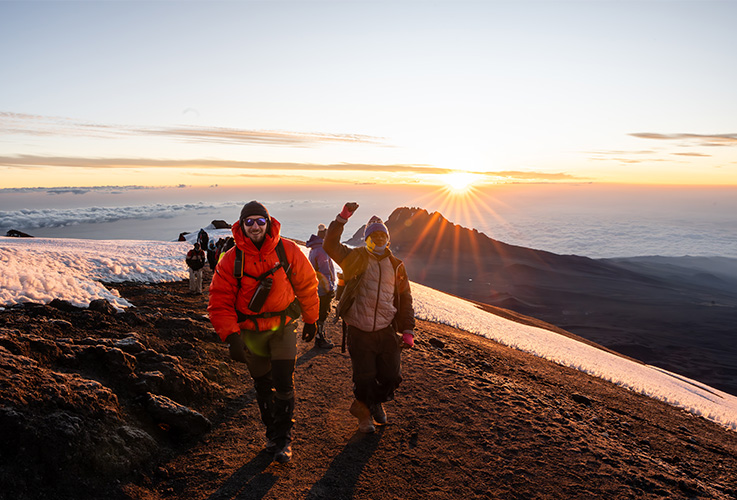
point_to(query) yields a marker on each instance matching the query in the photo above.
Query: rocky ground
(146, 405)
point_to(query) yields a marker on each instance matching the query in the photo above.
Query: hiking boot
(362, 413)
(323, 343)
(377, 411)
(283, 422)
(271, 446)
(284, 455)
(320, 340)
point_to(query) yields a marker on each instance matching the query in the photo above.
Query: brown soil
(472, 419)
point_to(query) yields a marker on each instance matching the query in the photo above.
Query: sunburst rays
(447, 244)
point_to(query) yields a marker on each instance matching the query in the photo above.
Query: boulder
(170, 415)
(13, 233)
(220, 224)
(103, 306)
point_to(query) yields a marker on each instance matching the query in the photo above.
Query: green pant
(273, 353)
(271, 357)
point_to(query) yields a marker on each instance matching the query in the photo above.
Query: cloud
(701, 155)
(32, 161)
(532, 176)
(622, 152)
(699, 139)
(627, 157)
(267, 169)
(272, 138)
(29, 220)
(49, 218)
(79, 190)
(629, 160)
(19, 123)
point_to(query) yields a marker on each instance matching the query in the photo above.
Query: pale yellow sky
(116, 93)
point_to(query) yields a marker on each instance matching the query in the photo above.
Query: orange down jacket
(226, 296)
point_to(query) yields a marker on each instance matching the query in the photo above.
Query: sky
(346, 93)
(41, 269)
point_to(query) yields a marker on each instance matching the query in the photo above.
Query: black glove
(308, 332)
(237, 347)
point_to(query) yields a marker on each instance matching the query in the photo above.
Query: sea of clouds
(581, 227)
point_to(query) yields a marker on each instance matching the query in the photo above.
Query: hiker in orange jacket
(376, 307)
(262, 335)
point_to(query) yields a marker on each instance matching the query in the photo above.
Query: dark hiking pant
(272, 370)
(325, 301)
(376, 361)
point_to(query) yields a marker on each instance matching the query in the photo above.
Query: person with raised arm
(376, 306)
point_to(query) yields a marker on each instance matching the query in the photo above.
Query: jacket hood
(314, 241)
(270, 240)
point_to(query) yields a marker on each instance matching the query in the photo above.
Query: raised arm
(331, 244)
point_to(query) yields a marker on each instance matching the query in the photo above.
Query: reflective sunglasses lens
(260, 221)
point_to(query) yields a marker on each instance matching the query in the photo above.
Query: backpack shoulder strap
(282, 253)
(293, 310)
(238, 265)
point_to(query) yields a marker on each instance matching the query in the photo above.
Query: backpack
(293, 309)
(195, 262)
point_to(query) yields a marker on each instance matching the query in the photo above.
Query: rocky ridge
(674, 313)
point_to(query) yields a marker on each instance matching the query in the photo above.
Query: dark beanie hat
(254, 208)
(374, 224)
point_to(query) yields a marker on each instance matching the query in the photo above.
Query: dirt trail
(472, 419)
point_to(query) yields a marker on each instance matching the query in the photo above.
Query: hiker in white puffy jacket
(376, 306)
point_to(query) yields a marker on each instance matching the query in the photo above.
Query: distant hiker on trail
(325, 270)
(219, 249)
(375, 304)
(256, 295)
(203, 239)
(212, 253)
(228, 243)
(195, 262)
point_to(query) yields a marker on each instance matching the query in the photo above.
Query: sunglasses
(260, 221)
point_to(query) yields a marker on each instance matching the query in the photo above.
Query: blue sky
(196, 93)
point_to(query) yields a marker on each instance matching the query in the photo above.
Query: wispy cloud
(531, 176)
(33, 161)
(80, 190)
(697, 139)
(621, 159)
(620, 152)
(266, 169)
(700, 155)
(273, 138)
(635, 156)
(37, 125)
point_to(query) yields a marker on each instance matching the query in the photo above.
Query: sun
(460, 181)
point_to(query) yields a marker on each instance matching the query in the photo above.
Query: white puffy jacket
(374, 307)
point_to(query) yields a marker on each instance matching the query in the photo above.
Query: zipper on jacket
(378, 295)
